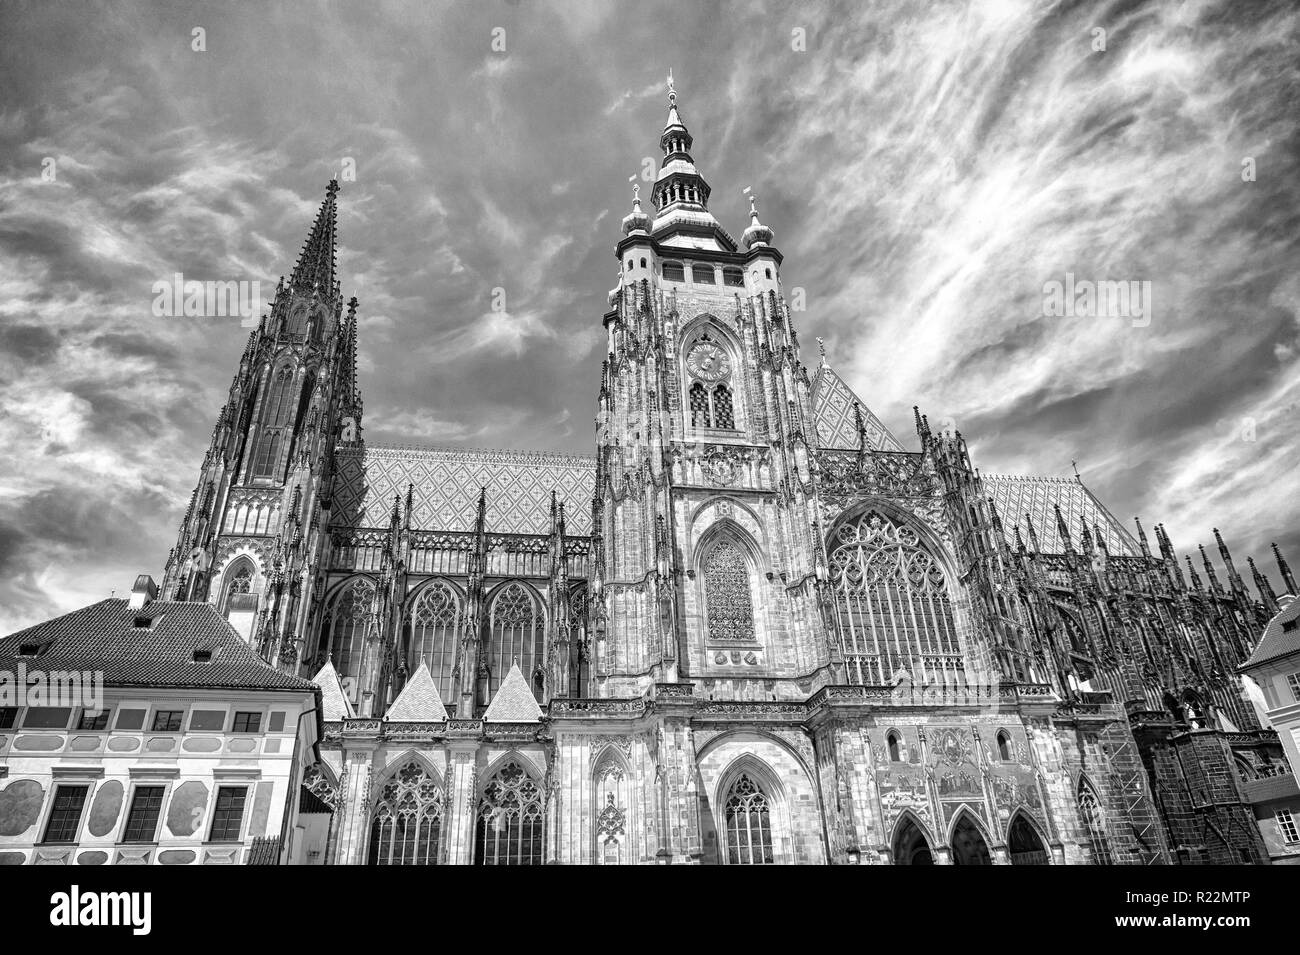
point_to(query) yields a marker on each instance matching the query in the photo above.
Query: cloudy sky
(927, 169)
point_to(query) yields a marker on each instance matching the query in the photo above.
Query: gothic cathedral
(753, 628)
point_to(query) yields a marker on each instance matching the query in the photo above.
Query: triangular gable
(514, 702)
(419, 701)
(837, 425)
(333, 702)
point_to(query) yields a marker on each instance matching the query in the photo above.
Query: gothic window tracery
(407, 821)
(727, 597)
(891, 597)
(511, 824)
(748, 823)
(240, 581)
(275, 421)
(1093, 824)
(435, 627)
(612, 798)
(517, 631)
(348, 628)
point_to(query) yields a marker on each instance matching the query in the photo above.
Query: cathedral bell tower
(707, 566)
(252, 536)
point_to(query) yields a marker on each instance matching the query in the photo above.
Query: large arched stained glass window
(407, 821)
(894, 612)
(435, 627)
(511, 824)
(1094, 826)
(348, 630)
(728, 600)
(517, 628)
(749, 823)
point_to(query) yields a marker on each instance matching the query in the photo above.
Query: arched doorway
(1024, 845)
(910, 845)
(968, 846)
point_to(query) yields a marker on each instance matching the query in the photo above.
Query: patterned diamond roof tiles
(837, 425)
(447, 482)
(419, 701)
(514, 702)
(1016, 496)
(104, 637)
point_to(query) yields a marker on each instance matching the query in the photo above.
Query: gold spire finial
(672, 90)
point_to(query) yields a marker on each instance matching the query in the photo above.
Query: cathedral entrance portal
(1024, 845)
(910, 846)
(968, 846)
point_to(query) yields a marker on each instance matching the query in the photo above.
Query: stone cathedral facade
(753, 627)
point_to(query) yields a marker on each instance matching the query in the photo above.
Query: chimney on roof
(144, 591)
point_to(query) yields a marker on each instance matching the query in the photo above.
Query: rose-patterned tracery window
(407, 820)
(435, 626)
(511, 820)
(709, 396)
(892, 600)
(727, 597)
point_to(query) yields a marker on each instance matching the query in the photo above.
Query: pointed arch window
(511, 821)
(891, 598)
(1094, 825)
(435, 628)
(348, 629)
(727, 597)
(407, 821)
(517, 627)
(749, 823)
(239, 580)
(612, 801)
(276, 419)
(1004, 746)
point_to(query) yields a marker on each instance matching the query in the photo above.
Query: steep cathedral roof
(447, 482)
(837, 422)
(1016, 496)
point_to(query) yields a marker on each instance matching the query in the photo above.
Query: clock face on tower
(708, 362)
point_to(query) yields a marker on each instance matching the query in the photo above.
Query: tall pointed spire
(316, 262)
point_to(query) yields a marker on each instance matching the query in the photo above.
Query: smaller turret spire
(1264, 587)
(757, 233)
(1285, 570)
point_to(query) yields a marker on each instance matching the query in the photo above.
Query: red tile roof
(104, 637)
(1278, 640)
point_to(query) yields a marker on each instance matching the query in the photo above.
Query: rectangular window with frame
(228, 816)
(167, 721)
(142, 820)
(47, 717)
(1287, 826)
(246, 722)
(1293, 681)
(90, 720)
(65, 815)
